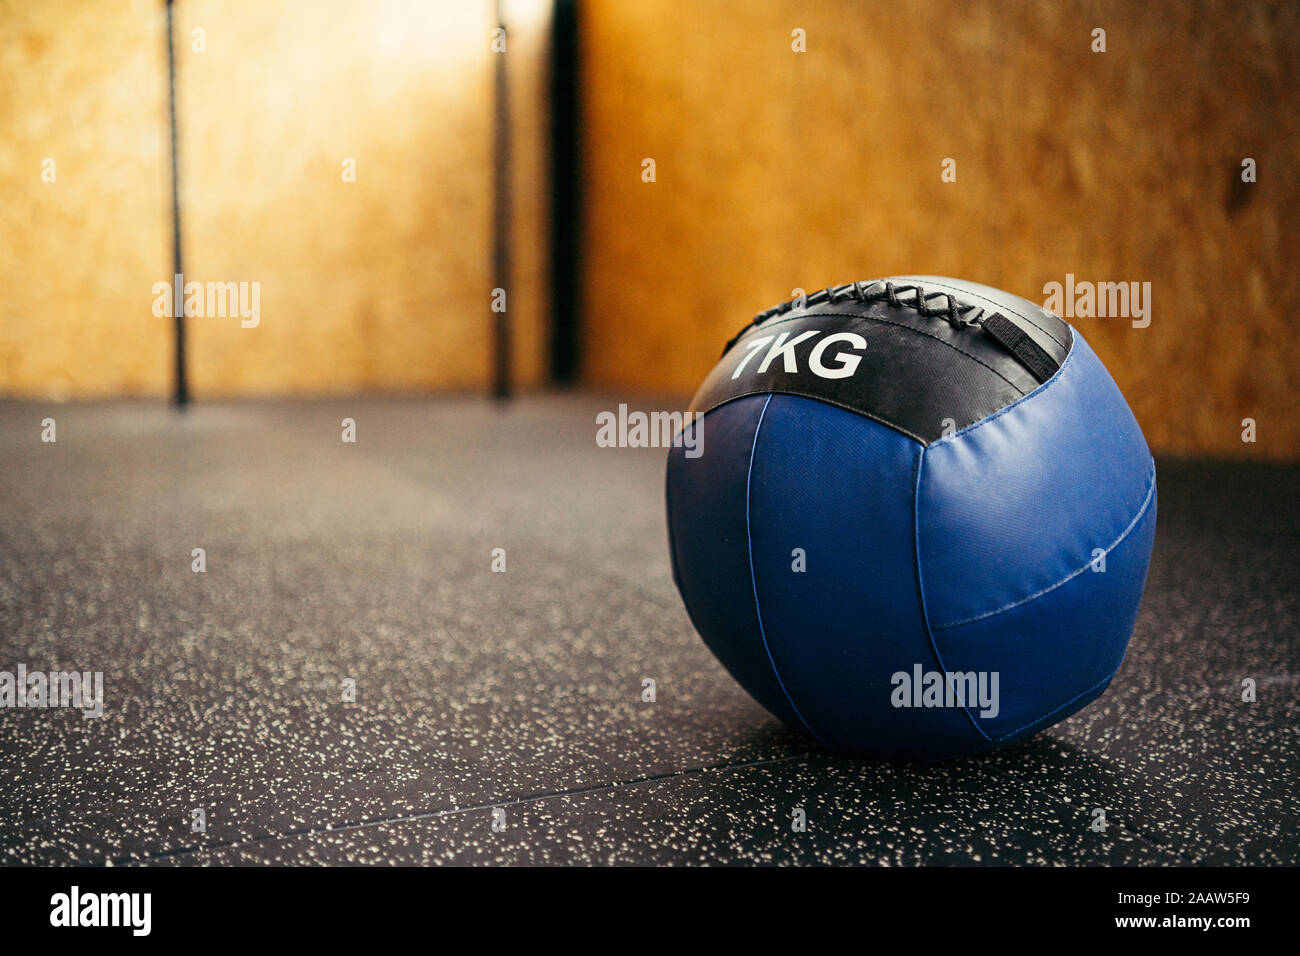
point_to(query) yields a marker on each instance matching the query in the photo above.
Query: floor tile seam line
(456, 810)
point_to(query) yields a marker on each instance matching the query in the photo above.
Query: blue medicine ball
(912, 517)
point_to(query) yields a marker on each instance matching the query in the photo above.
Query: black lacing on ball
(957, 316)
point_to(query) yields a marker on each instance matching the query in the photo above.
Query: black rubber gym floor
(478, 690)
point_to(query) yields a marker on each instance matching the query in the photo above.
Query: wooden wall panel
(378, 285)
(778, 170)
(80, 84)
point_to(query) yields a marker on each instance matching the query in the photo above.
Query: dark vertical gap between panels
(181, 385)
(566, 194)
(501, 385)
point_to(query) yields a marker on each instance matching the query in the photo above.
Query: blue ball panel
(1016, 503)
(709, 543)
(1058, 651)
(840, 486)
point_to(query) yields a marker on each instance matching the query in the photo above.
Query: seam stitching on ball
(1046, 720)
(815, 398)
(976, 295)
(920, 582)
(1002, 411)
(1047, 716)
(1146, 504)
(753, 580)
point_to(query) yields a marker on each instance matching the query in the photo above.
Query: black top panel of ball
(925, 355)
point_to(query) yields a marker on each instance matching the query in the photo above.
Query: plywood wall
(82, 99)
(378, 284)
(777, 169)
